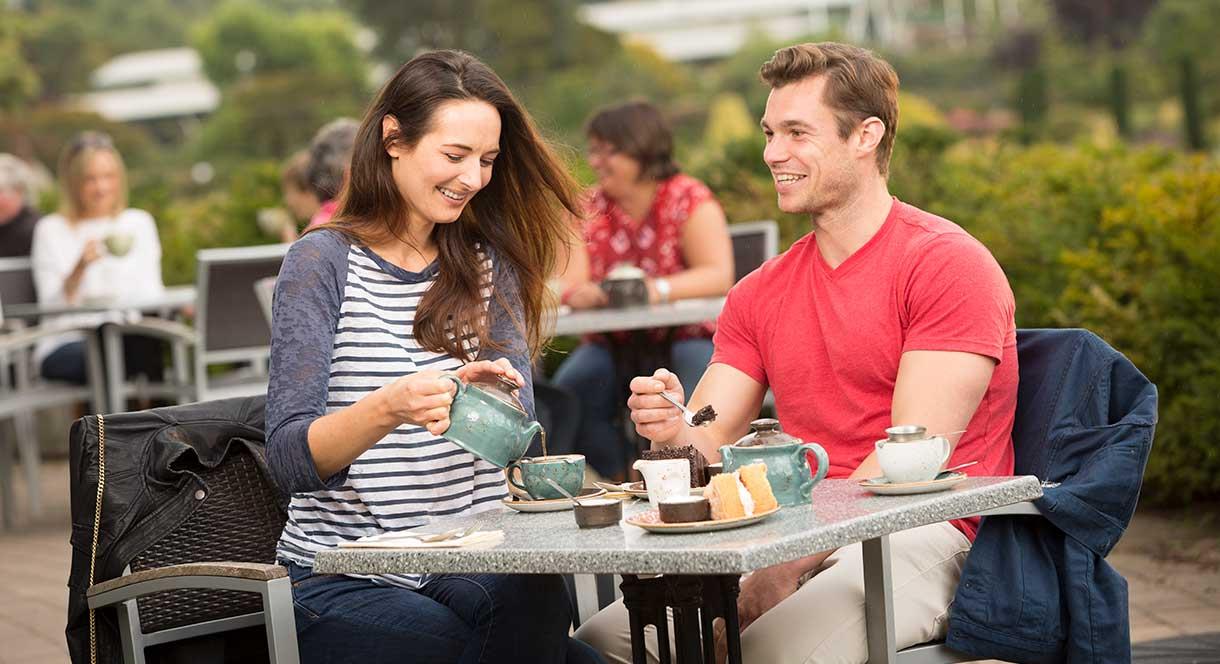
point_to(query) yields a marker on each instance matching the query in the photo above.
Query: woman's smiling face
(450, 164)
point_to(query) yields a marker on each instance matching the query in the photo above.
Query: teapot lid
(502, 388)
(906, 432)
(765, 431)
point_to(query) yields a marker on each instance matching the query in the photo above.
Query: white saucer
(883, 487)
(553, 505)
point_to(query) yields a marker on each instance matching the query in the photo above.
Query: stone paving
(1171, 561)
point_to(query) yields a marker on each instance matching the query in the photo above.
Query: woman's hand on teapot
(422, 399)
(588, 295)
(481, 370)
(655, 418)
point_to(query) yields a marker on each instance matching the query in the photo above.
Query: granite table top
(840, 513)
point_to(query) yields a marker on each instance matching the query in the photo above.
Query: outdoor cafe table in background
(701, 571)
(638, 356)
(174, 297)
(670, 314)
(171, 300)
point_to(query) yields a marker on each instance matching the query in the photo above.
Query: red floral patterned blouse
(653, 244)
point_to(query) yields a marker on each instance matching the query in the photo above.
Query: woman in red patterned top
(646, 213)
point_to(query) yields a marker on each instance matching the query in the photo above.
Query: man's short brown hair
(859, 85)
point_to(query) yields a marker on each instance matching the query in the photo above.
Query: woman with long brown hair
(431, 264)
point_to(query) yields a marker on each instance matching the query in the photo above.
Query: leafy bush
(1148, 282)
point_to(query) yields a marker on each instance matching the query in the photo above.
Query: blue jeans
(589, 372)
(141, 355)
(454, 618)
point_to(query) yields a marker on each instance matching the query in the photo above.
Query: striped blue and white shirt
(343, 323)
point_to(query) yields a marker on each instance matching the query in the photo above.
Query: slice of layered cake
(744, 492)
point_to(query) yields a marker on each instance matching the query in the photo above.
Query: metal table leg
(879, 601)
(696, 602)
(685, 595)
(112, 348)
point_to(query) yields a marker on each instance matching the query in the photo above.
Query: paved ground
(1170, 559)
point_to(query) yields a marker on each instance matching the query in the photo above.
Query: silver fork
(687, 415)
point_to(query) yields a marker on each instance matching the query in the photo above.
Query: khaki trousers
(823, 621)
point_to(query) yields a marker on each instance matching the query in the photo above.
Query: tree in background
(1182, 36)
(1022, 51)
(281, 76)
(1115, 24)
(523, 40)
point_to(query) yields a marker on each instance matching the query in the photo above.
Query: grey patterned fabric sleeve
(305, 314)
(505, 315)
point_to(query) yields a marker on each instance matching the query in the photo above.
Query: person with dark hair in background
(435, 262)
(644, 212)
(330, 156)
(298, 196)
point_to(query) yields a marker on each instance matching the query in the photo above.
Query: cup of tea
(910, 455)
(530, 475)
(118, 244)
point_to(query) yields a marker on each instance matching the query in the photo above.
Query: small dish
(883, 487)
(598, 512)
(651, 521)
(552, 505)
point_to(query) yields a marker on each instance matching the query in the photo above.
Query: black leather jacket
(151, 483)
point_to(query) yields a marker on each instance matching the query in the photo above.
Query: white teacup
(664, 478)
(912, 460)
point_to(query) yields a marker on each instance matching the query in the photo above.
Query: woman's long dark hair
(522, 213)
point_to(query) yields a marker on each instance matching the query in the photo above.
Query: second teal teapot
(787, 464)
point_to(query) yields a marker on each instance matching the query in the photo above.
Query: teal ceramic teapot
(787, 464)
(487, 420)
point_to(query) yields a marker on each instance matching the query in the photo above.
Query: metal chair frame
(271, 582)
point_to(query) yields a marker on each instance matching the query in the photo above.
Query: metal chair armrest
(249, 577)
(28, 336)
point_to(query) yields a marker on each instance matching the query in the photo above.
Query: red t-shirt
(828, 341)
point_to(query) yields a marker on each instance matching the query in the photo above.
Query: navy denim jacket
(1038, 589)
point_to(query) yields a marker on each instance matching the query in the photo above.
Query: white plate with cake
(651, 521)
(732, 500)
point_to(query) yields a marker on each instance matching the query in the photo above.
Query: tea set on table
(488, 420)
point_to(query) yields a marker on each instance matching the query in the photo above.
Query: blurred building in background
(164, 89)
(697, 30)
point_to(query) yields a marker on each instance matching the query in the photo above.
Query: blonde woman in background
(95, 250)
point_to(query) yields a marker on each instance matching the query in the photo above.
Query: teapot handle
(808, 481)
(461, 387)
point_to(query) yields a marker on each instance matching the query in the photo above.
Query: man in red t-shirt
(883, 315)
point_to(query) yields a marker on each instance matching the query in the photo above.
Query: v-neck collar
(861, 254)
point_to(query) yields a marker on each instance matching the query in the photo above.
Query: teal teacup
(530, 475)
